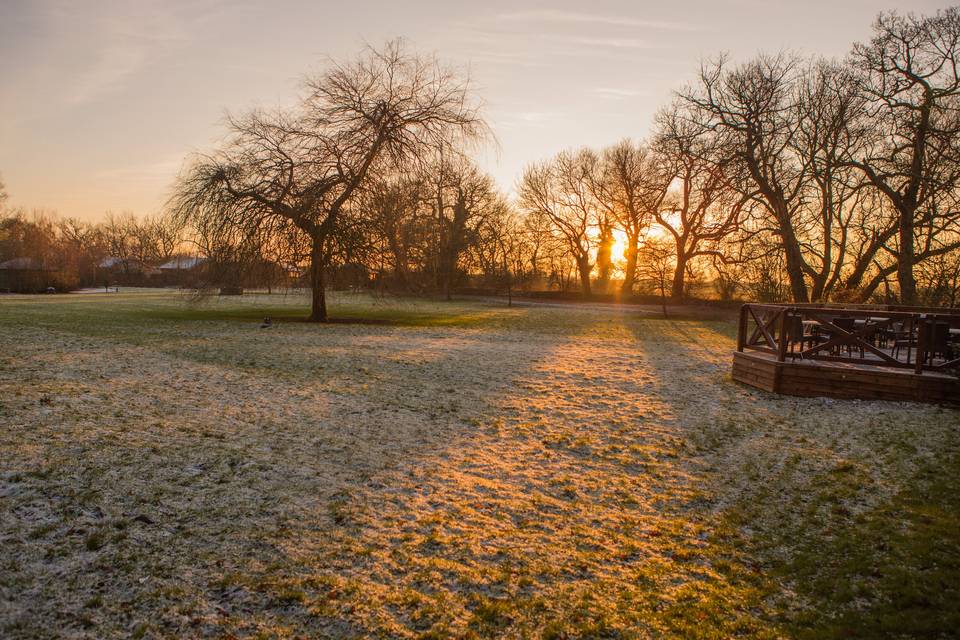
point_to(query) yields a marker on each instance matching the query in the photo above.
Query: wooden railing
(915, 338)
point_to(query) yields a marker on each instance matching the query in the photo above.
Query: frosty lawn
(448, 470)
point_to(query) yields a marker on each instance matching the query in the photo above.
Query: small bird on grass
(267, 323)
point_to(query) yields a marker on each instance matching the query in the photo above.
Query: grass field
(462, 470)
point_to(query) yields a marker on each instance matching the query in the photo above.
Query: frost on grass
(467, 471)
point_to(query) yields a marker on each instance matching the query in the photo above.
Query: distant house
(22, 264)
(117, 265)
(181, 271)
(127, 271)
(29, 275)
(113, 262)
(182, 263)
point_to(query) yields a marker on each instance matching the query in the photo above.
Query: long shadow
(575, 516)
(178, 488)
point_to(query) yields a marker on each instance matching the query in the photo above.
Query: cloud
(613, 43)
(161, 171)
(540, 49)
(115, 63)
(549, 15)
(527, 119)
(615, 93)
(93, 51)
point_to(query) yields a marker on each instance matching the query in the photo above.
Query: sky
(101, 102)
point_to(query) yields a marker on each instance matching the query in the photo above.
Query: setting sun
(619, 251)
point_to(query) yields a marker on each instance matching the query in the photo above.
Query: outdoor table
(811, 327)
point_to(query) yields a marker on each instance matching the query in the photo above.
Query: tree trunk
(788, 236)
(794, 257)
(445, 269)
(905, 277)
(604, 259)
(584, 267)
(679, 278)
(318, 306)
(630, 271)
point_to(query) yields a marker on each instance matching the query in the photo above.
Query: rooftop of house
(21, 264)
(182, 263)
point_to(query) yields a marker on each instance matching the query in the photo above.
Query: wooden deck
(850, 351)
(842, 379)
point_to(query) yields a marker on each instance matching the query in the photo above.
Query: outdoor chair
(908, 343)
(797, 336)
(849, 325)
(937, 342)
(883, 335)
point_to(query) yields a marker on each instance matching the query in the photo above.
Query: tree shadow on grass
(568, 512)
(184, 480)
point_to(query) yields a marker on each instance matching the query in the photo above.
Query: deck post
(742, 328)
(921, 341)
(782, 344)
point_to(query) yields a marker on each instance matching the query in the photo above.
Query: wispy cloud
(97, 51)
(527, 119)
(602, 41)
(115, 63)
(616, 93)
(151, 172)
(550, 15)
(541, 49)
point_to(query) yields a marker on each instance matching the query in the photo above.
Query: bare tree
(83, 243)
(911, 76)
(462, 197)
(751, 108)
(399, 225)
(501, 250)
(656, 266)
(830, 129)
(605, 241)
(629, 187)
(118, 239)
(538, 232)
(938, 280)
(305, 166)
(788, 128)
(559, 190)
(705, 208)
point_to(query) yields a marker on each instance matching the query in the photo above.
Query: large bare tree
(399, 224)
(831, 128)
(911, 75)
(305, 165)
(751, 108)
(461, 198)
(788, 128)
